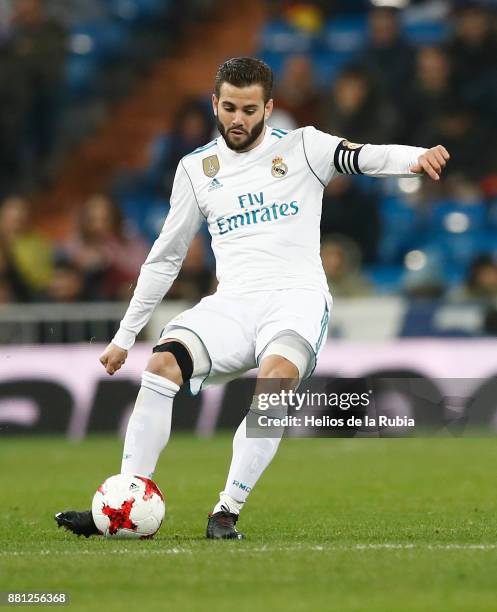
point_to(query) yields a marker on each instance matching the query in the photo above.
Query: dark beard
(251, 138)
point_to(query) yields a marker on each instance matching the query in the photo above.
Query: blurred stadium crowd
(421, 73)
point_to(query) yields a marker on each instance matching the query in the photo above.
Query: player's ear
(268, 109)
(215, 103)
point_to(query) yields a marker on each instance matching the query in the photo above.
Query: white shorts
(235, 329)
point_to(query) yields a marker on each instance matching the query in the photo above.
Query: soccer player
(260, 191)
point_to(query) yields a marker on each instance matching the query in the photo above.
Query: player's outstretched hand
(432, 162)
(113, 358)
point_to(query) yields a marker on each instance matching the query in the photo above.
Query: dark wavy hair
(245, 71)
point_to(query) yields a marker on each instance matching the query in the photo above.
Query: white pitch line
(118, 551)
(240, 549)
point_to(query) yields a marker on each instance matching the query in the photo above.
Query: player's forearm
(153, 283)
(389, 160)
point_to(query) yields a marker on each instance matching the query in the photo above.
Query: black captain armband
(346, 160)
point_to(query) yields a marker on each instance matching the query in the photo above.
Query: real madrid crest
(279, 169)
(210, 165)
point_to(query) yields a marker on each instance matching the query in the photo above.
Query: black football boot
(221, 526)
(80, 523)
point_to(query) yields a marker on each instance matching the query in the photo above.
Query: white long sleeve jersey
(263, 210)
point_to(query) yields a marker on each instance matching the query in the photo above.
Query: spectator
(108, 256)
(40, 44)
(357, 111)
(297, 93)
(342, 262)
(351, 212)
(388, 57)
(12, 286)
(473, 53)
(192, 128)
(5, 291)
(430, 93)
(28, 253)
(14, 102)
(463, 134)
(66, 283)
(482, 278)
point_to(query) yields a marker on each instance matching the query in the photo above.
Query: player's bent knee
(181, 355)
(288, 354)
(189, 350)
(275, 366)
(165, 364)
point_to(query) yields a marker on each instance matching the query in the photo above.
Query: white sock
(251, 456)
(149, 426)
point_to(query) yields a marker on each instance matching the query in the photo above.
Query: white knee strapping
(195, 346)
(293, 347)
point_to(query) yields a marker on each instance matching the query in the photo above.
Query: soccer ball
(128, 506)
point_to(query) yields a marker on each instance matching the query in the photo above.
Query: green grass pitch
(366, 525)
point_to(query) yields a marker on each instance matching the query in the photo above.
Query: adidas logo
(214, 184)
(133, 486)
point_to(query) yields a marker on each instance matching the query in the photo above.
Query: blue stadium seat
(489, 242)
(159, 150)
(454, 275)
(280, 37)
(137, 11)
(422, 318)
(443, 212)
(386, 278)
(397, 209)
(346, 35)
(80, 76)
(459, 250)
(401, 229)
(492, 214)
(426, 32)
(145, 214)
(369, 184)
(275, 60)
(100, 40)
(154, 218)
(328, 65)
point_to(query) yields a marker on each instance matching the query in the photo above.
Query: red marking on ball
(101, 489)
(119, 517)
(150, 488)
